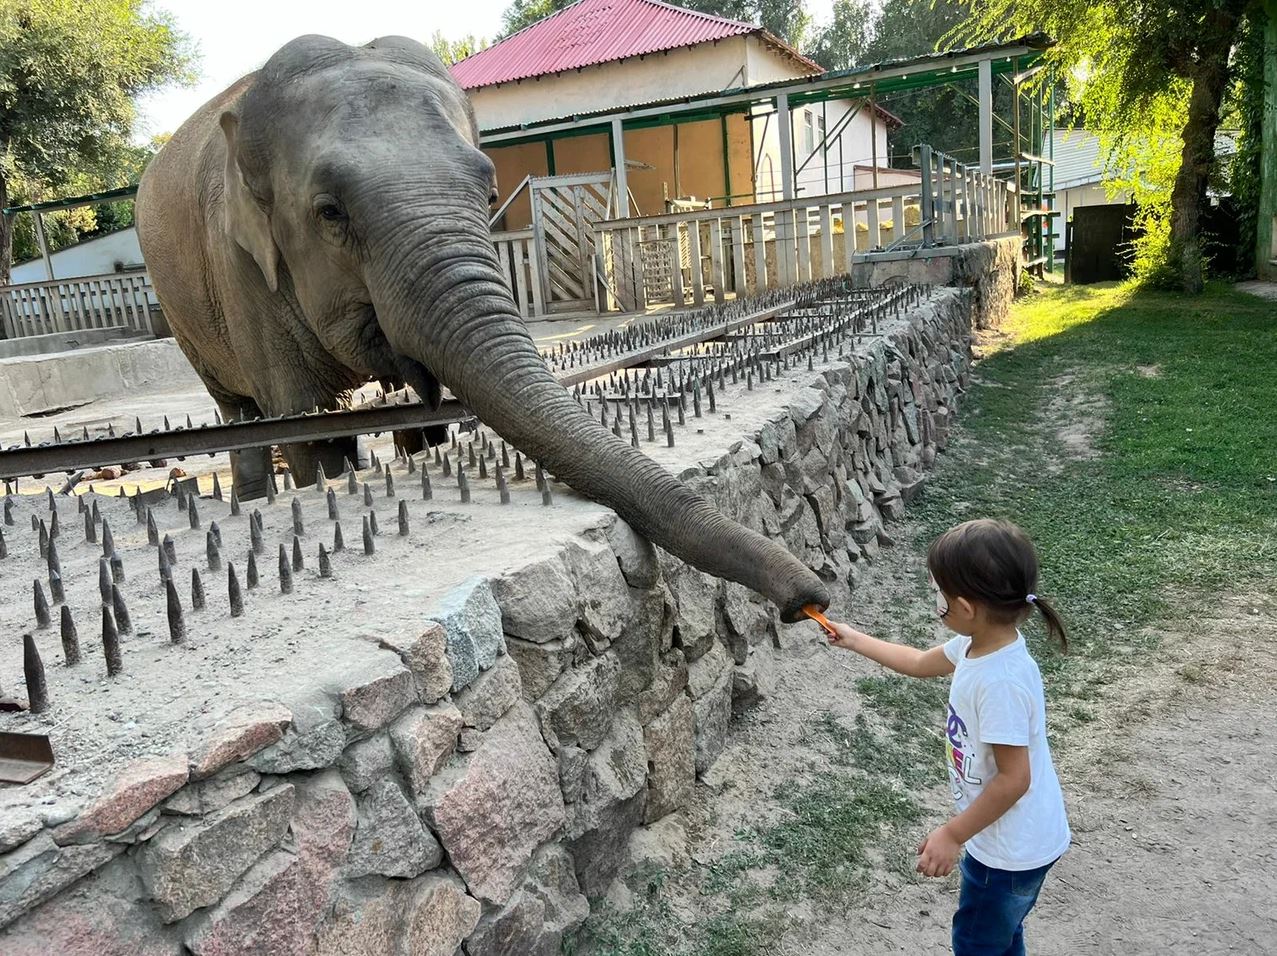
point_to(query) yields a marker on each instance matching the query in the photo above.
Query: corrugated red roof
(591, 32)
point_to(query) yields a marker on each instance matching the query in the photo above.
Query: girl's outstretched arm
(900, 658)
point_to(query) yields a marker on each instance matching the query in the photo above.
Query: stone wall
(477, 777)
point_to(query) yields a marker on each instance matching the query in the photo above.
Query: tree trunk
(1209, 76)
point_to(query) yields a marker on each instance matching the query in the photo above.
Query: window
(809, 133)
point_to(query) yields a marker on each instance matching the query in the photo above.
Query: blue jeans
(992, 906)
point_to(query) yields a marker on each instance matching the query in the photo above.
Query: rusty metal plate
(24, 757)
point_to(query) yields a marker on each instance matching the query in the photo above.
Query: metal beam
(986, 117)
(22, 460)
(43, 242)
(622, 181)
(784, 125)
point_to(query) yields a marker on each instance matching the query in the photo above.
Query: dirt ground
(1170, 795)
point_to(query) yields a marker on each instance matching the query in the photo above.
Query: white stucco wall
(660, 76)
(835, 172)
(94, 257)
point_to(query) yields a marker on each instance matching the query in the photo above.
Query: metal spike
(483, 468)
(255, 537)
(4, 547)
(502, 488)
(412, 464)
(216, 532)
(463, 485)
(165, 568)
(8, 511)
(369, 547)
(90, 531)
(180, 494)
(121, 611)
(298, 562)
(70, 638)
(288, 481)
(372, 522)
(321, 480)
(111, 644)
(403, 518)
(332, 505)
(285, 572)
(51, 557)
(390, 483)
(298, 527)
(447, 467)
(505, 456)
(271, 493)
(176, 626)
(55, 527)
(352, 482)
(547, 498)
(33, 671)
(367, 496)
(518, 466)
(55, 588)
(170, 549)
(197, 590)
(540, 476)
(108, 540)
(338, 543)
(152, 532)
(426, 492)
(217, 487)
(41, 605)
(233, 592)
(117, 568)
(194, 513)
(250, 573)
(234, 502)
(50, 503)
(212, 553)
(325, 566)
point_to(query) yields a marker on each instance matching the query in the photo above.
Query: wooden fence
(746, 249)
(517, 252)
(73, 305)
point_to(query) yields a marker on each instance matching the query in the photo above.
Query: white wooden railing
(74, 305)
(746, 249)
(517, 253)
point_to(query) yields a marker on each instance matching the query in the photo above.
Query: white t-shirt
(998, 699)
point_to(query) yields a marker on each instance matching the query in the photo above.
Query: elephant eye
(331, 212)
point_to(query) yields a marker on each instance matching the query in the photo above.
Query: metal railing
(77, 304)
(744, 250)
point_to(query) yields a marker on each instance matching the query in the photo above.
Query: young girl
(1010, 809)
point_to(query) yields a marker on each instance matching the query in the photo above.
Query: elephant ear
(246, 221)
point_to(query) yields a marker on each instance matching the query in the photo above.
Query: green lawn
(1162, 501)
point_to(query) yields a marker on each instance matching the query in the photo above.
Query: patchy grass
(1176, 502)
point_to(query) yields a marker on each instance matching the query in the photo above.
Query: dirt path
(1170, 792)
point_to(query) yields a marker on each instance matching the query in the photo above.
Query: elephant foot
(250, 471)
(304, 460)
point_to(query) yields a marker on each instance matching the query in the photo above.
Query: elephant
(324, 222)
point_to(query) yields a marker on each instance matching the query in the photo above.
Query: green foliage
(787, 19)
(844, 41)
(524, 13)
(1134, 68)
(453, 51)
(69, 73)
(1247, 114)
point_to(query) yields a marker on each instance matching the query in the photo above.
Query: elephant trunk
(445, 303)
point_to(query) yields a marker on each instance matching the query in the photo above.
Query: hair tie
(1030, 598)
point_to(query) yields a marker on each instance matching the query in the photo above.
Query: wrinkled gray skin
(325, 221)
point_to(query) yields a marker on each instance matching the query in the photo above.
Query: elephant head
(354, 181)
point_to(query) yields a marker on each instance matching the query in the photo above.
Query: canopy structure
(37, 209)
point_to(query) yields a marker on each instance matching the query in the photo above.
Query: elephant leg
(250, 468)
(305, 459)
(413, 440)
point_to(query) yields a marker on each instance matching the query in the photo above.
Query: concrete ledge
(31, 385)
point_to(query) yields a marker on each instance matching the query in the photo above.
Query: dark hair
(993, 563)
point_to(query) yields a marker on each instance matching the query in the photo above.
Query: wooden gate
(564, 210)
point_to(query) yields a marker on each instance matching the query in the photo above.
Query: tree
(787, 19)
(524, 13)
(844, 42)
(69, 72)
(1139, 56)
(453, 51)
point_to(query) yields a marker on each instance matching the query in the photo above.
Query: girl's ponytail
(1054, 626)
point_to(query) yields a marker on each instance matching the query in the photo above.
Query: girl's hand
(938, 853)
(844, 636)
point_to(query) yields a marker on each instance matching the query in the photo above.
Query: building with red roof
(604, 56)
